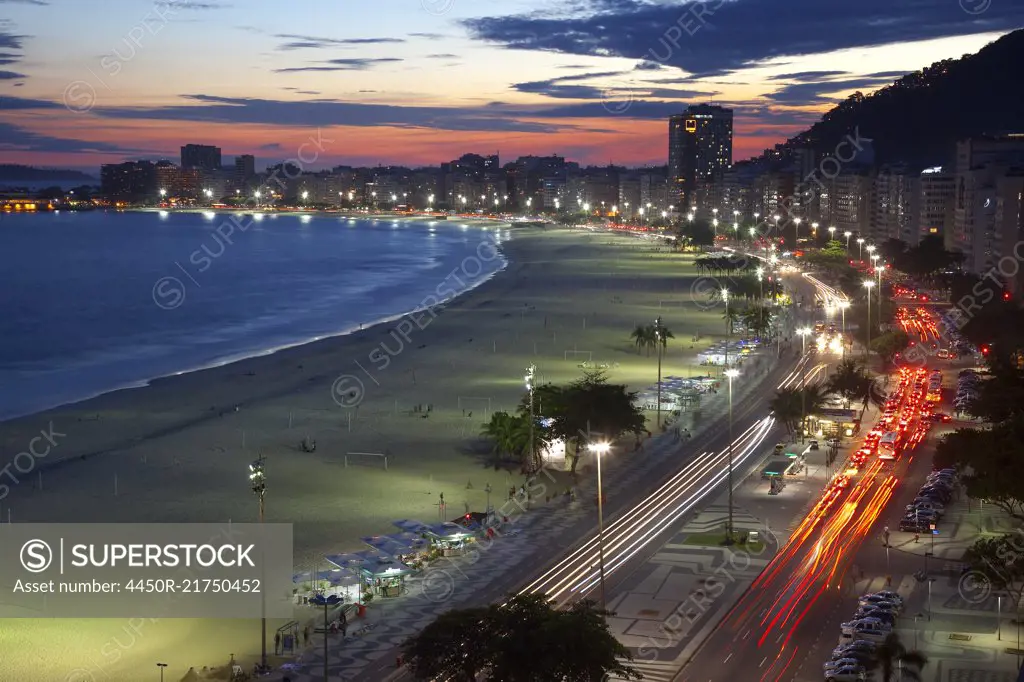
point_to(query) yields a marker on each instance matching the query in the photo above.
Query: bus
(934, 393)
(888, 445)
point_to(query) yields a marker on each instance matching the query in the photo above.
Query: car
(841, 663)
(873, 632)
(912, 525)
(854, 647)
(891, 596)
(861, 656)
(814, 445)
(864, 624)
(940, 418)
(847, 674)
(886, 616)
(868, 600)
(941, 494)
(941, 479)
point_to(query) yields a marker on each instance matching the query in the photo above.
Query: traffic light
(1006, 295)
(984, 349)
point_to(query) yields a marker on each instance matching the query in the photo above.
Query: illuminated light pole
(430, 202)
(164, 665)
(796, 231)
(163, 195)
(804, 332)
(831, 233)
(760, 280)
(847, 234)
(531, 371)
(305, 195)
(659, 338)
(776, 219)
(714, 222)
(814, 230)
(641, 212)
(871, 251)
(731, 374)
(728, 326)
(879, 269)
(860, 246)
(600, 449)
(843, 305)
(756, 216)
(867, 285)
(753, 233)
(258, 478)
(319, 599)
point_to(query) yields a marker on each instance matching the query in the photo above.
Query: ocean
(96, 301)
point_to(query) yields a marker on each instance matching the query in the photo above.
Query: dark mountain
(10, 172)
(918, 119)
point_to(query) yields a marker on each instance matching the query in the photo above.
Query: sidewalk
(498, 567)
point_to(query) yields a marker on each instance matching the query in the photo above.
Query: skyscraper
(699, 146)
(200, 156)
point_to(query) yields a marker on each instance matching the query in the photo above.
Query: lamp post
(531, 371)
(660, 340)
(867, 285)
(860, 247)
(847, 234)
(760, 312)
(831, 233)
(161, 666)
(728, 326)
(731, 374)
(600, 449)
(258, 478)
(879, 269)
(804, 332)
(843, 305)
(327, 602)
(796, 231)
(305, 196)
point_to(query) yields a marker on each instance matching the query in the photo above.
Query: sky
(418, 82)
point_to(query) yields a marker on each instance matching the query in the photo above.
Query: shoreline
(178, 450)
(264, 352)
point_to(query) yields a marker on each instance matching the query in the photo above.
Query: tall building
(936, 192)
(980, 163)
(699, 146)
(894, 204)
(129, 181)
(200, 156)
(245, 170)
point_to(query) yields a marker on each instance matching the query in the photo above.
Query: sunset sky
(422, 81)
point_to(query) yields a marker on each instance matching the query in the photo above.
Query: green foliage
(523, 640)
(650, 336)
(889, 345)
(851, 381)
(510, 435)
(790, 405)
(892, 658)
(991, 463)
(1000, 561)
(589, 406)
(697, 232)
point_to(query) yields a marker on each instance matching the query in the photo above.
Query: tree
(889, 345)
(731, 315)
(991, 463)
(787, 408)
(643, 338)
(851, 381)
(510, 435)
(451, 647)
(589, 405)
(523, 640)
(892, 655)
(1000, 563)
(758, 320)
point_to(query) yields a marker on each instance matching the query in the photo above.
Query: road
(791, 607)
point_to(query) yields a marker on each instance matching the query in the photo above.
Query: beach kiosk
(409, 548)
(385, 576)
(450, 538)
(342, 582)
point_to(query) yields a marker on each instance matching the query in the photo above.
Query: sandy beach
(416, 390)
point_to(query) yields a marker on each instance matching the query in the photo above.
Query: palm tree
(731, 315)
(851, 381)
(643, 338)
(892, 655)
(787, 408)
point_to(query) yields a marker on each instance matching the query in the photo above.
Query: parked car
(891, 596)
(841, 663)
(856, 646)
(888, 617)
(877, 600)
(847, 674)
(912, 525)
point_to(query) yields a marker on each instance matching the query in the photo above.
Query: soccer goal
(469, 404)
(371, 459)
(577, 353)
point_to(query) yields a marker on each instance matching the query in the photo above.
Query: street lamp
(867, 285)
(760, 280)
(728, 326)
(847, 234)
(600, 449)
(531, 371)
(430, 202)
(161, 666)
(756, 216)
(731, 374)
(796, 230)
(831, 233)
(860, 247)
(843, 305)
(714, 222)
(258, 478)
(753, 233)
(804, 332)
(319, 599)
(661, 340)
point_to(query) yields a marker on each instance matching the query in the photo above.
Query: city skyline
(428, 80)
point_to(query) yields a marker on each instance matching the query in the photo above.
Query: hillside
(919, 118)
(16, 173)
